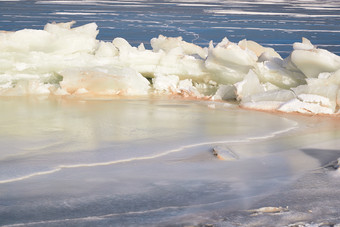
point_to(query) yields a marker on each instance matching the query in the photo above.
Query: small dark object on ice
(224, 153)
(334, 164)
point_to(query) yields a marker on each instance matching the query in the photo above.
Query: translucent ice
(61, 60)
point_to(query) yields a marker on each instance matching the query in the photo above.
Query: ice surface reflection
(147, 161)
(75, 128)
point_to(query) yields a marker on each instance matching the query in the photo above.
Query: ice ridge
(64, 61)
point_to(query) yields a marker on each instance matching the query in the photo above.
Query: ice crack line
(61, 167)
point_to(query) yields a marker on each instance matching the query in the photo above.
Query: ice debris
(321, 224)
(61, 60)
(333, 165)
(224, 153)
(268, 210)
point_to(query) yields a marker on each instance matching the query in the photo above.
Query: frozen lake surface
(149, 161)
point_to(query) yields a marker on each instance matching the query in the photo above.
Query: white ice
(61, 60)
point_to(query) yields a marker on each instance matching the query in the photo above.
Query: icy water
(148, 161)
(272, 23)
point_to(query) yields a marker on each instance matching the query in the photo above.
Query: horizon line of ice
(61, 60)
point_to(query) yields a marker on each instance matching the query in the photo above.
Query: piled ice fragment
(61, 60)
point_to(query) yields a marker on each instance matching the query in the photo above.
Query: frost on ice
(61, 60)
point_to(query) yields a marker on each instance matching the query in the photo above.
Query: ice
(168, 43)
(313, 61)
(225, 92)
(276, 71)
(171, 84)
(70, 40)
(228, 62)
(304, 106)
(163, 83)
(106, 50)
(270, 100)
(258, 49)
(249, 86)
(187, 89)
(104, 81)
(62, 60)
